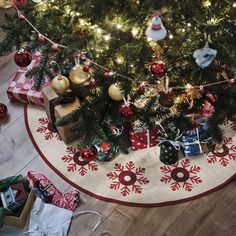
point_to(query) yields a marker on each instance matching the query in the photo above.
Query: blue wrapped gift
(197, 141)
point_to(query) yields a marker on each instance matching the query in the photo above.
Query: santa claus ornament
(156, 31)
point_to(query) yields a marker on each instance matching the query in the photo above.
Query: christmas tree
(153, 63)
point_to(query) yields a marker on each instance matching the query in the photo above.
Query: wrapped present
(142, 137)
(57, 107)
(197, 141)
(21, 88)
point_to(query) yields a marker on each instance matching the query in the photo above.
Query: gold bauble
(5, 4)
(60, 84)
(115, 93)
(78, 76)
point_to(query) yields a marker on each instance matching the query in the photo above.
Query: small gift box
(21, 88)
(142, 137)
(197, 141)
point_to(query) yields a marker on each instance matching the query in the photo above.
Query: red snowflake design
(127, 178)
(231, 123)
(76, 163)
(226, 154)
(48, 129)
(181, 175)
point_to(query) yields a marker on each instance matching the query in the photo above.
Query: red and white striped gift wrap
(142, 138)
(21, 88)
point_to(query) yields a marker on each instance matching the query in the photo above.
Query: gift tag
(204, 56)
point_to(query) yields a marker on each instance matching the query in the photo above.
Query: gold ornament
(115, 93)
(5, 4)
(60, 84)
(78, 76)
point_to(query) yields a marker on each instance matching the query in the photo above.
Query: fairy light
(234, 5)
(107, 37)
(99, 30)
(118, 26)
(120, 60)
(171, 36)
(149, 39)
(183, 30)
(189, 24)
(206, 3)
(134, 31)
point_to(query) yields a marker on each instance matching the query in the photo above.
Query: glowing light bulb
(189, 24)
(183, 30)
(134, 32)
(206, 3)
(149, 39)
(99, 30)
(107, 37)
(118, 26)
(234, 4)
(171, 36)
(120, 60)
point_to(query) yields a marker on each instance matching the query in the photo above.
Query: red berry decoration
(89, 154)
(127, 111)
(3, 110)
(22, 58)
(158, 69)
(21, 3)
(86, 68)
(41, 38)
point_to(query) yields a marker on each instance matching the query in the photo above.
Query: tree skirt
(137, 179)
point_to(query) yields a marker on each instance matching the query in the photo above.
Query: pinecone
(168, 153)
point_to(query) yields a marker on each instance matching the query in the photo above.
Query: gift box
(197, 141)
(21, 88)
(22, 219)
(59, 106)
(141, 137)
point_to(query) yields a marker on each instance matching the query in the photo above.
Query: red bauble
(166, 100)
(108, 74)
(22, 58)
(89, 154)
(86, 68)
(3, 110)
(41, 38)
(127, 111)
(93, 82)
(21, 3)
(158, 69)
(55, 48)
(231, 82)
(141, 89)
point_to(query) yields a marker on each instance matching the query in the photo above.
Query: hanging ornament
(156, 30)
(41, 38)
(23, 58)
(231, 82)
(89, 154)
(21, 3)
(127, 110)
(204, 56)
(60, 84)
(166, 100)
(55, 47)
(21, 16)
(158, 69)
(3, 110)
(86, 68)
(115, 93)
(141, 89)
(5, 4)
(108, 74)
(92, 82)
(201, 88)
(78, 76)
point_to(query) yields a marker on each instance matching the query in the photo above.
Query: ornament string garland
(157, 24)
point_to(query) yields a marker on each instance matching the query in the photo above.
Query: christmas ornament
(141, 89)
(108, 74)
(78, 76)
(3, 110)
(60, 84)
(127, 110)
(115, 93)
(5, 4)
(23, 58)
(166, 100)
(86, 68)
(55, 47)
(20, 3)
(168, 153)
(204, 56)
(156, 30)
(89, 154)
(92, 82)
(231, 81)
(41, 38)
(158, 69)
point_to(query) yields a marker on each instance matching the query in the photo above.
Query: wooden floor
(214, 214)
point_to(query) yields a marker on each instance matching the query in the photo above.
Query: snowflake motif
(127, 178)
(48, 129)
(231, 123)
(76, 163)
(181, 175)
(225, 154)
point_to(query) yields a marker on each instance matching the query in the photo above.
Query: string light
(107, 37)
(99, 30)
(134, 32)
(118, 26)
(171, 36)
(234, 5)
(189, 24)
